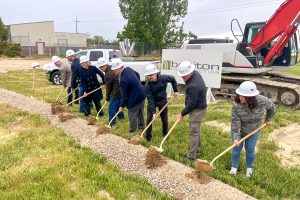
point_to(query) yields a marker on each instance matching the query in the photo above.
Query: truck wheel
(56, 78)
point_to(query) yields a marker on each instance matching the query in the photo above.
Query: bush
(10, 49)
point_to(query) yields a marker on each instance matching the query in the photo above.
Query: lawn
(39, 161)
(270, 180)
(293, 71)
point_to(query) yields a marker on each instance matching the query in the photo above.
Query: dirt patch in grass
(199, 177)
(102, 130)
(225, 127)
(154, 159)
(288, 139)
(66, 116)
(91, 120)
(57, 107)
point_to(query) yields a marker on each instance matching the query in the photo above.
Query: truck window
(114, 54)
(94, 55)
(81, 53)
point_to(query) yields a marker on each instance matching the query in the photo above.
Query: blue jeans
(81, 102)
(250, 144)
(113, 108)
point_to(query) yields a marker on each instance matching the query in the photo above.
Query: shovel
(108, 126)
(160, 149)
(32, 92)
(68, 95)
(204, 165)
(60, 93)
(140, 138)
(100, 110)
(86, 94)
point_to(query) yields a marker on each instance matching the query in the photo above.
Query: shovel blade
(108, 126)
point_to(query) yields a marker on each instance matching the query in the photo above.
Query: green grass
(270, 180)
(39, 161)
(293, 71)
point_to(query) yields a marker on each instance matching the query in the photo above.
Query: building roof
(31, 23)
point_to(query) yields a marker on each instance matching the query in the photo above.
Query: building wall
(71, 39)
(31, 33)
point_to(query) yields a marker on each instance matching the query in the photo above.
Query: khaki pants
(195, 119)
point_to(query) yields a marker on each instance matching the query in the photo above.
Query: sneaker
(249, 172)
(233, 171)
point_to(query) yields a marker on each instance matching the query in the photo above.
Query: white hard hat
(35, 64)
(84, 59)
(101, 62)
(185, 68)
(55, 59)
(116, 63)
(151, 69)
(247, 89)
(70, 52)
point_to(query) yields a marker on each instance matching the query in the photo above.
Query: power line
(76, 22)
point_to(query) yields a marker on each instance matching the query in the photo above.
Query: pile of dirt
(66, 116)
(199, 177)
(91, 120)
(154, 159)
(203, 166)
(57, 107)
(102, 130)
(134, 140)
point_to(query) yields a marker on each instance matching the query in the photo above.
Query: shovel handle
(170, 131)
(153, 120)
(101, 108)
(241, 140)
(86, 94)
(114, 117)
(68, 94)
(60, 93)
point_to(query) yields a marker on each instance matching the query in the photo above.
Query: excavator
(263, 44)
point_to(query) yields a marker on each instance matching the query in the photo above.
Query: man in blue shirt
(133, 94)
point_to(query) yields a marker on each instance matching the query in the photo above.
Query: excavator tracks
(282, 89)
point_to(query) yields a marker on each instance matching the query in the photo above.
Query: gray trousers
(195, 119)
(136, 117)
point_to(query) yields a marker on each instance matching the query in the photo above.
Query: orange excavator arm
(283, 24)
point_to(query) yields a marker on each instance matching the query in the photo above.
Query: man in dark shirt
(89, 82)
(133, 94)
(157, 96)
(195, 104)
(113, 91)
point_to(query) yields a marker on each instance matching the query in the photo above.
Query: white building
(40, 38)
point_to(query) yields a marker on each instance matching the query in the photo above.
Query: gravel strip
(169, 178)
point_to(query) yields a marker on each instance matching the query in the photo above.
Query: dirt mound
(288, 139)
(203, 166)
(57, 107)
(154, 159)
(66, 116)
(134, 140)
(199, 177)
(91, 120)
(102, 130)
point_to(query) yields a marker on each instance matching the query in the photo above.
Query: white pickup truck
(94, 55)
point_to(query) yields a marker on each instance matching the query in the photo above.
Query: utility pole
(76, 21)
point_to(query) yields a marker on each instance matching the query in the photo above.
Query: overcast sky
(205, 18)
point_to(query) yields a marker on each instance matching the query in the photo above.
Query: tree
(3, 31)
(96, 40)
(156, 22)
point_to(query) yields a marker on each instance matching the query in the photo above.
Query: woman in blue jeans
(247, 115)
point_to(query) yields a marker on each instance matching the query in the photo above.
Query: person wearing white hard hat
(89, 82)
(247, 114)
(35, 65)
(195, 105)
(157, 96)
(65, 72)
(113, 91)
(133, 94)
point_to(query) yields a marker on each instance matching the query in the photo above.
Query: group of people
(125, 90)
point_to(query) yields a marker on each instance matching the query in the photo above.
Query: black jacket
(112, 83)
(156, 91)
(195, 94)
(88, 78)
(75, 73)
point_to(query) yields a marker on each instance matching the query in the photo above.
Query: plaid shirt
(244, 120)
